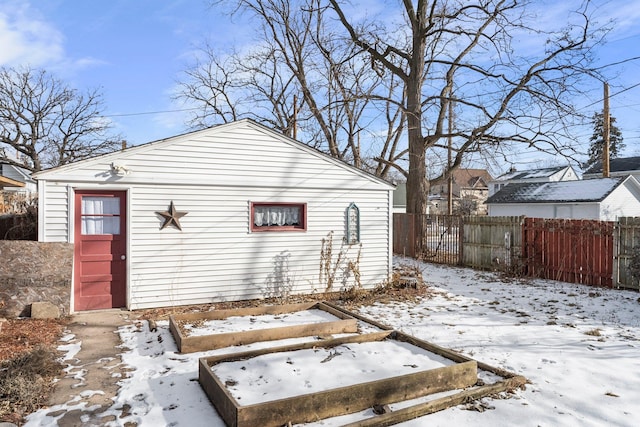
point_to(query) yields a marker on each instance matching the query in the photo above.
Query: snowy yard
(579, 346)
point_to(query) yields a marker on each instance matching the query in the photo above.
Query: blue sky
(134, 51)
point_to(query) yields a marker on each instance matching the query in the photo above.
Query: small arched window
(353, 224)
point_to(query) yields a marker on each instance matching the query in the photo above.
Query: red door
(100, 250)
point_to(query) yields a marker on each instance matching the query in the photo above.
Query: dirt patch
(348, 299)
(28, 365)
(19, 336)
(397, 289)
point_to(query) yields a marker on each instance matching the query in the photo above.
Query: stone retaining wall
(34, 272)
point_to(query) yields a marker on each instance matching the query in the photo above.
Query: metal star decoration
(172, 217)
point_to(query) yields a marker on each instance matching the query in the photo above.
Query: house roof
(530, 174)
(621, 164)
(119, 154)
(8, 182)
(589, 190)
(22, 174)
(467, 178)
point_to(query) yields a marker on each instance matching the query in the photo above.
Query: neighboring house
(469, 190)
(17, 189)
(553, 174)
(16, 179)
(622, 166)
(400, 198)
(600, 199)
(233, 212)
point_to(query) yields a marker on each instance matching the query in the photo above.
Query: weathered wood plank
(415, 411)
(218, 394)
(328, 403)
(244, 311)
(190, 344)
(230, 339)
(326, 343)
(357, 397)
(358, 316)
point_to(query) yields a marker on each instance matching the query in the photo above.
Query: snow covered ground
(579, 346)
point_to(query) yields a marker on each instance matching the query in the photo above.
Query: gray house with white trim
(621, 166)
(233, 212)
(16, 179)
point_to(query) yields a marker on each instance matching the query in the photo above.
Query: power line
(181, 110)
(617, 63)
(610, 96)
(151, 112)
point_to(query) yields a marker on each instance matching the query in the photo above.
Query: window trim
(278, 228)
(98, 216)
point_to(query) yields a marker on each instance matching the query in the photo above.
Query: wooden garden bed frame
(329, 403)
(357, 397)
(190, 344)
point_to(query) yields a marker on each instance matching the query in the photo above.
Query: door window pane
(100, 215)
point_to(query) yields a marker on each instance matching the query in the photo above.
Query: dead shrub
(25, 382)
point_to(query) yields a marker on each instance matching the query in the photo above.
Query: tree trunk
(417, 185)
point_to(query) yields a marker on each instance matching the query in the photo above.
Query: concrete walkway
(94, 371)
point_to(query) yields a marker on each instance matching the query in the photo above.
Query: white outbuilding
(604, 199)
(233, 212)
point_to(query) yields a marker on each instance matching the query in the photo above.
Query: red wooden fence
(575, 251)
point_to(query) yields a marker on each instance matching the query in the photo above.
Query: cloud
(26, 37)
(625, 15)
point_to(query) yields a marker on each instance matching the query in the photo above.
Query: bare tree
(466, 53)
(302, 80)
(229, 86)
(44, 123)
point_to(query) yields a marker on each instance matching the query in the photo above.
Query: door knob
(123, 257)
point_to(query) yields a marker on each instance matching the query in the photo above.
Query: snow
(579, 346)
(591, 189)
(588, 190)
(250, 323)
(263, 378)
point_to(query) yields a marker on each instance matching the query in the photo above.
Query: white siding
(55, 206)
(623, 201)
(214, 175)
(216, 257)
(239, 156)
(546, 210)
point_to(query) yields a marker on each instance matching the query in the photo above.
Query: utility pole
(450, 175)
(294, 131)
(605, 132)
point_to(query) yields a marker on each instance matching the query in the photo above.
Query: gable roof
(620, 164)
(590, 190)
(244, 123)
(467, 178)
(16, 173)
(8, 182)
(531, 173)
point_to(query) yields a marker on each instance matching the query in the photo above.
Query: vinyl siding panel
(56, 208)
(623, 201)
(217, 258)
(238, 157)
(546, 210)
(214, 176)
